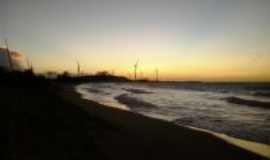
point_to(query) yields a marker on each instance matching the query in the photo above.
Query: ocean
(240, 110)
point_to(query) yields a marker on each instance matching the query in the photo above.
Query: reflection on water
(198, 105)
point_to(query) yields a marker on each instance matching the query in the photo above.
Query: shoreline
(189, 141)
(123, 101)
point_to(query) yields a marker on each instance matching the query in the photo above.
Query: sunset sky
(211, 40)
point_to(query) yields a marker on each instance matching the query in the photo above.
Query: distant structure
(78, 68)
(11, 60)
(10, 63)
(135, 70)
(29, 65)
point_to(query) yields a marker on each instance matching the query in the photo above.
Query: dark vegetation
(98, 77)
(39, 124)
(18, 78)
(27, 77)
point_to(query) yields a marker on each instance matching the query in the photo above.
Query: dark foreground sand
(54, 123)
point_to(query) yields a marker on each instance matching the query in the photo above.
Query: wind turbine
(78, 68)
(135, 69)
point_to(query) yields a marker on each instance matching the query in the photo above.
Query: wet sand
(53, 122)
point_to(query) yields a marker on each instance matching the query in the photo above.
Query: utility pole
(29, 65)
(9, 55)
(135, 70)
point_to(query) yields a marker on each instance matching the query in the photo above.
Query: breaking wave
(252, 103)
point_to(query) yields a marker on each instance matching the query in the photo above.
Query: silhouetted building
(15, 58)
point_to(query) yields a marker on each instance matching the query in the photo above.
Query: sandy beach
(53, 122)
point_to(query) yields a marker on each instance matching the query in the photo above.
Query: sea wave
(97, 91)
(262, 94)
(252, 103)
(137, 91)
(134, 103)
